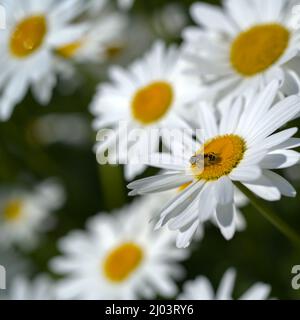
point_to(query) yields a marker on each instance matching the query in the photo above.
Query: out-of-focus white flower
(13, 263)
(125, 4)
(119, 257)
(59, 128)
(21, 288)
(152, 93)
(103, 39)
(27, 47)
(243, 147)
(245, 45)
(201, 289)
(170, 20)
(97, 5)
(293, 174)
(24, 215)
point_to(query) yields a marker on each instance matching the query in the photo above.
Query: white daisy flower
(152, 94)
(34, 29)
(119, 257)
(21, 288)
(125, 4)
(170, 20)
(24, 215)
(201, 289)
(244, 45)
(102, 40)
(241, 148)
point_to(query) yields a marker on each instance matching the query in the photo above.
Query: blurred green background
(260, 253)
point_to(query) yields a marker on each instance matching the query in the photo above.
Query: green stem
(271, 216)
(112, 186)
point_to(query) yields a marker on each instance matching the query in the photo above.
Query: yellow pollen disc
(122, 261)
(13, 210)
(151, 103)
(69, 50)
(28, 36)
(258, 48)
(221, 155)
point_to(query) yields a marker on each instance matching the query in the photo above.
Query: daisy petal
(281, 184)
(264, 188)
(226, 286)
(259, 291)
(245, 173)
(224, 190)
(159, 183)
(278, 138)
(290, 144)
(280, 159)
(183, 199)
(207, 121)
(225, 220)
(248, 16)
(183, 239)
(201, 208)
(211, 17)
(279, 115)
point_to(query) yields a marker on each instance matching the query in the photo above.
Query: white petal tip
(133, 193)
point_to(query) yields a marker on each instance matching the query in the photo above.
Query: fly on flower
(152, 94)
(241, 147)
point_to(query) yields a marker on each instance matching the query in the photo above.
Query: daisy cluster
(214, 113)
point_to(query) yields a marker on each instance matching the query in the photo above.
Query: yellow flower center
(69, 50)
(28, 36)
(151, 103)
(13, 210)
(122, 262)
(218, 157)
(258, 48)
